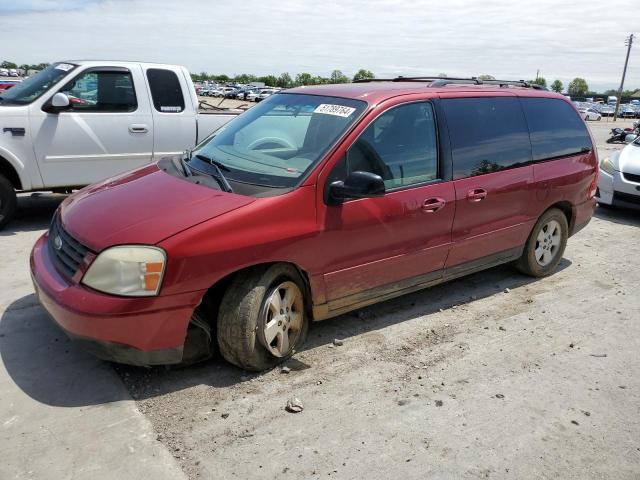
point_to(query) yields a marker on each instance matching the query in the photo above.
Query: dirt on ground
(496, 375)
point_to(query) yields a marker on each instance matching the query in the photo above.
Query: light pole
(628, 42)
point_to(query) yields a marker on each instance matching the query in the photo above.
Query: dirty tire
(528, 264)
(239, 316)
(8, 201)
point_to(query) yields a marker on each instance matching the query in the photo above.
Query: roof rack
(443, 81)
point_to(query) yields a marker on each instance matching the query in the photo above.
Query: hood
(629, 159)
(144, 206)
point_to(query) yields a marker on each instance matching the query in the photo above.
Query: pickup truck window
(165, 90)
(278, 141)
(33, 87)
(102, 91)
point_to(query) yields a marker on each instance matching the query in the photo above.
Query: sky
(506, 39)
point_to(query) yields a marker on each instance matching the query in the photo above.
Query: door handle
(434, 204)
(138, 128)
(477, 194)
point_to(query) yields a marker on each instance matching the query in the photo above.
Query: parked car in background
(252, 94)
(7, 84)
(78, 122)
(13, 72)
(229, 92)
(4, 72)
(264, 93)
(627, 111)
(318, 201)
(619, 182)
(590, 114)
(243, 93)
(607, 110)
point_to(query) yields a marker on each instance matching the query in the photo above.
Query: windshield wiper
(218, 175)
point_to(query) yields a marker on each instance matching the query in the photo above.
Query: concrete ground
(63, 414)
(496, 375)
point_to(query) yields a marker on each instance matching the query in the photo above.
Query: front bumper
(617, 191)
(137, 331)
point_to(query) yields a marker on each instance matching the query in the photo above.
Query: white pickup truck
(79, 122)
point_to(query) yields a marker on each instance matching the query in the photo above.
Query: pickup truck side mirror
(357, 185)
(59, 102)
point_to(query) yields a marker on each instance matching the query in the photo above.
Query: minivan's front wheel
(545, 246)
(262, 319)
(8, 201)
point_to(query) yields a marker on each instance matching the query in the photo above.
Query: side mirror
(59, 101)
(357, 185)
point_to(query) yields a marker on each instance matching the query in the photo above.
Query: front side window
(279, 140)
(487, 134)
(400, 146)
(166, 91)
(556, 128)
(35, 86)
(102, 91)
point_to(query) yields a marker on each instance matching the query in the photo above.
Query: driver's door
(106, 130)
(371, 247)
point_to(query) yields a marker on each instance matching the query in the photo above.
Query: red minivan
(315, 202)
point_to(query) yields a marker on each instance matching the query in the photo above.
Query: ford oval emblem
(57, 242)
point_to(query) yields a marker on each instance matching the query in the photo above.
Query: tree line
(285, 80)
(578, 87)
(25, 66)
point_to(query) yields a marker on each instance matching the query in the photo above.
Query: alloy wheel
(282, 319)
(548, 243)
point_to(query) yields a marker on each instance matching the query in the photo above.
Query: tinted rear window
(556, 129)
(487, 135)
(165, 90)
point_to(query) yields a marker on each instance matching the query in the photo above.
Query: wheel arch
(10, 172)
(213, 296)
(569, 212)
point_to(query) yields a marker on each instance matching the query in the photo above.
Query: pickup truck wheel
(545, 245)
(262, 318)
(8, 201)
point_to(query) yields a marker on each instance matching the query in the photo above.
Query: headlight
(607, 166)
(131, 270)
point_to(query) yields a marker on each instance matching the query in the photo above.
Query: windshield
(33, 87)
(276, 142)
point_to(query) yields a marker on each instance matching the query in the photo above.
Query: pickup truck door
(174, 105)
(106, 130)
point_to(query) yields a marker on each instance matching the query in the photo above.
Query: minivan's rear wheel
(262, 319)
(8, 201)
(545, 246)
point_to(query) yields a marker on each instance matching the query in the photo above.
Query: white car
(252, 94)
(590, 114)
(619, 182)
(264, 94)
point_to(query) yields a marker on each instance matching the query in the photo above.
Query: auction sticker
(337, 110)
(64, 67)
